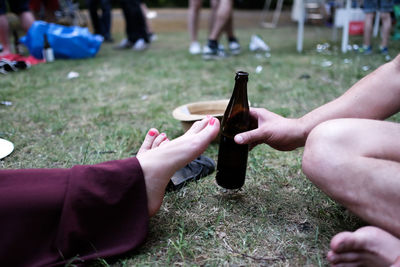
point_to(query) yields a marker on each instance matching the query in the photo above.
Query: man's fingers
(249, 137)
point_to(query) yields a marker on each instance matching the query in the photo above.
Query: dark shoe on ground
(198, 168)
(383, 50)
(124, 44)
(365, 50)
(109, 40)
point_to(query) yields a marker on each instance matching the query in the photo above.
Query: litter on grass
(72, 75)
(6, 103)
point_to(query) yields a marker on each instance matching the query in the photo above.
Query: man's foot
(195, 48)
(368, 246)
(161, 158)
(140, 45)
(124, 44)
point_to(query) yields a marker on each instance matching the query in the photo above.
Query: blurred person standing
(137, 37)
(151, 35)
(371, 7)
(221, 19)
(19, 7)
(101, 22)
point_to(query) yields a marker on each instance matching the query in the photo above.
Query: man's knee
(323, 149)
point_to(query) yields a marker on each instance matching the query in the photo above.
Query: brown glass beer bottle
(232, 158)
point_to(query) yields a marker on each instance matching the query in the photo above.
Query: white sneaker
(257, 44)
(195, 48)
(234, 48)
(140, 45)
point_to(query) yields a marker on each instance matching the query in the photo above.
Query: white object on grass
(6, 147)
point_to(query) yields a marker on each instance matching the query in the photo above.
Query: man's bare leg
(223, 13)
(4, 40)
(27, 20)
(193, 19)
(161, 158)
(357, 163)
(369, 17)
(386, 25)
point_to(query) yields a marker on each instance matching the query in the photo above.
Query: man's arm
(376, 96)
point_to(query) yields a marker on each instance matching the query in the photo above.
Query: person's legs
(160, 159)
(134, 22)
(193, 19)
(214, 7)
(385, 8)
(357, 163)
(105, 19)
(4, 39)
(368, 22)
(223, 13)
(193, 25)
(94, 16)
(386, 26)
(27, 20)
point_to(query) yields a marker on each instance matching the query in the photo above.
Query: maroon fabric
(50, 216)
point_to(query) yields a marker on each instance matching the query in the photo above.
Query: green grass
(278, 219)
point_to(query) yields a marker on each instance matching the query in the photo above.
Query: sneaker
(195, 48)
(109, 40)
(365, 50)
(152, 37)
(258, 45)
(210, 53)
(234, 47)
(198, 168)
(140, 45)
(124, 44)
(383, 50)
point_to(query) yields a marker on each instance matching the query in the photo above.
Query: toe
(159, 139)
(210, 131)
(341, 258)
(151, 135)
(199, 125)
(343, 242)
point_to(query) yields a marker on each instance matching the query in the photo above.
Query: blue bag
(66, 41)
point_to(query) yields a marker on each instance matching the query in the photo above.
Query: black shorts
(16, 6)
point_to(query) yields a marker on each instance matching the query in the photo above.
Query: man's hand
(272, 129)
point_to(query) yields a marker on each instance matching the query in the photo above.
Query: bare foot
(160, 159)
(368, 246)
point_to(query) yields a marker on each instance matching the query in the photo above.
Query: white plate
(6, 147)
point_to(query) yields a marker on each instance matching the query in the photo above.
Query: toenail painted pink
(152, 133)
(212, 121)
(208, 116)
